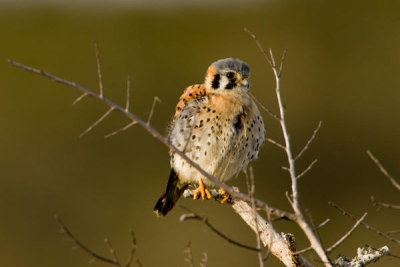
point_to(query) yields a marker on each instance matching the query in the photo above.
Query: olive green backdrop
(342, 67)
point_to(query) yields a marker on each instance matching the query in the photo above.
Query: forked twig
(371, 228)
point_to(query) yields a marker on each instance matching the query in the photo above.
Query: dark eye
(230, 75)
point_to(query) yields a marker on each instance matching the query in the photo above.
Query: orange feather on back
(190, 93)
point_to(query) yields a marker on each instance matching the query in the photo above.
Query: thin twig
(126, 127)
(153, 106)
(309, 141)
(276, 143)
(259, 45)
(96, 47)
(383, 170)
(308, 168)
(108, 112)
(343, 238)
(194, 216)
(273, 115)
(79, 98)
(323, 224)
(68, 233)
(371, 228)
(303, 250)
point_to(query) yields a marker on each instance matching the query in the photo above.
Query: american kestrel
(218, 126)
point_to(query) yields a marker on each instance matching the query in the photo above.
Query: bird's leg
(202, 190)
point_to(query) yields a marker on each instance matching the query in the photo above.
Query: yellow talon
(202, 190)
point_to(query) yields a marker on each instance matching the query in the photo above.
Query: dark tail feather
(170, 196)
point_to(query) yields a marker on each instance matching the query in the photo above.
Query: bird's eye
(230, 75)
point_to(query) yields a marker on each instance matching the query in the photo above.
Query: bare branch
(126, 127)
(300, 220)
(108, 112)
(276, 143)
(383, 170)
(384, 205)
(96, 47)
(68, 233)
(309, 141)
(273, 115)
(156, 99)
(307, 169)
(364, 224)
(343, 238)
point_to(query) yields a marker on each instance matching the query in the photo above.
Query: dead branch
(294, 201)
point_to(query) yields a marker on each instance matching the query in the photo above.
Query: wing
(190, 93)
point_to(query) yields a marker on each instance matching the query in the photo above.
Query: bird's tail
(170, 196)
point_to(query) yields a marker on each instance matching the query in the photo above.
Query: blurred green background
(342, 67)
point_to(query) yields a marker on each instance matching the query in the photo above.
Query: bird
(218, 126)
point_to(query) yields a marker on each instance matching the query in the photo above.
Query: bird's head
(228, 74)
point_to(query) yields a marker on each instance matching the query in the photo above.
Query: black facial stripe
(215, 82)
(231, 84)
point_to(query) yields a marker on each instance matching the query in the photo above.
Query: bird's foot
(202, 190)
(226, 194)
